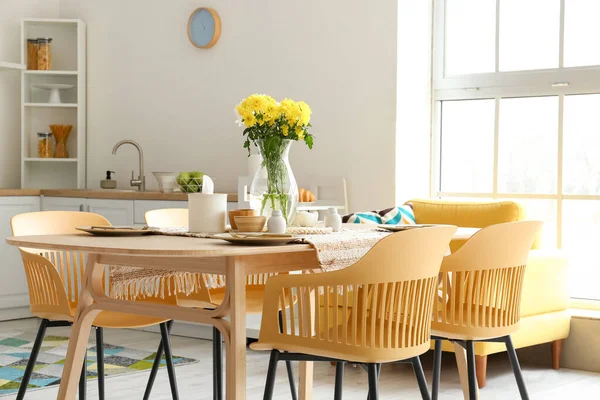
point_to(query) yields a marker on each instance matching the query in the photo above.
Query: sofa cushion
(395, 215)
(545, 287)
(467, 214)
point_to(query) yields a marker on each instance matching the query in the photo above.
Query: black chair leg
(39, 339)
(164, 331)
(373, 382)
(418, 368)
(288, 364)
(290, 373)
(339, 380)
(100, 361)
(378, 371)
(437, 369)
(217, 365)
(471, 370)
(516, 367)
(83, 379)
(271, 372)
(156, 365)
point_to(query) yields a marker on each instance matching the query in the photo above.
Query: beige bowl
(250, 223)
(246, 212)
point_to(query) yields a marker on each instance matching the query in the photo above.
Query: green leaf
(309, 141)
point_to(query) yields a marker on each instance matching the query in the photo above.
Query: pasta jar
(44, 144)
(44, 57)
(32, 50)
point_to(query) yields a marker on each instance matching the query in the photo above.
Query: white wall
(146, 82)
(413, 145)
(11, 13)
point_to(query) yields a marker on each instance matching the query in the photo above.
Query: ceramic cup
(242, 212)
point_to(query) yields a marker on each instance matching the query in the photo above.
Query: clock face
(204, 28)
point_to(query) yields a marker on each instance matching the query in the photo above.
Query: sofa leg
(556, 350)
(480, 370)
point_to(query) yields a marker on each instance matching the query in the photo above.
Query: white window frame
(559, 82)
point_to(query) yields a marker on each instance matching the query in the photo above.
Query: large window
(517, 116)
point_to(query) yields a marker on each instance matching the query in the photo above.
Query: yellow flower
(285, 130)
(249, 120)
(305, 113)
(300, 133)
(291, 111)
(271, 112)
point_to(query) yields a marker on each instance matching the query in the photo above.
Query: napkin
(208, 186)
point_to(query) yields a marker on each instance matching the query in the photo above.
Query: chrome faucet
(140, 182)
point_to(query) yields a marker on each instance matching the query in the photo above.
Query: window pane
(542, 210)
(581, 235)
(466, 52)
(581, 33)
(581, 145)
(527, 148)
(467, 146)
(529, 34)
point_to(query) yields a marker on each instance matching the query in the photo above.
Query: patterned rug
(15, 349)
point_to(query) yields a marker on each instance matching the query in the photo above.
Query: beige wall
(146, 82)
(11, 13)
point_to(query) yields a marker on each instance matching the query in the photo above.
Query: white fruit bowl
(167, 181)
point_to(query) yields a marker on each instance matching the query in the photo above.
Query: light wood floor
(397, 381)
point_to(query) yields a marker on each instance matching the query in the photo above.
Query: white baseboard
(14, 300)
(8, 314)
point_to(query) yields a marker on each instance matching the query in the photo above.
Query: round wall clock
(204, 27)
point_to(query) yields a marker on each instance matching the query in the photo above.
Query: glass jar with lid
(44, 56)
(32, 50)
(44, 144)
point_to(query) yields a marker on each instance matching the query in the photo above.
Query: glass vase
(274, 185)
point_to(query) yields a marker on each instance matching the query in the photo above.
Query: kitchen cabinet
(14, 297)
(117, 212)
(63, 204)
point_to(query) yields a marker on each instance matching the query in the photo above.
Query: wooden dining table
(184, 254)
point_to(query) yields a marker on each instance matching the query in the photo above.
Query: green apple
(197, 175)
(183, 178)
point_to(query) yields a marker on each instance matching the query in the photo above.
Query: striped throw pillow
(396, 215)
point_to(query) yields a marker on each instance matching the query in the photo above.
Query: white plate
(254, 240)
(115, 230)
(397, 228)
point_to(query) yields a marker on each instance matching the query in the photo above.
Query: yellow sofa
(544, 314)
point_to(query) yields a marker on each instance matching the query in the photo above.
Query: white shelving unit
(8, 66)
(68, 51)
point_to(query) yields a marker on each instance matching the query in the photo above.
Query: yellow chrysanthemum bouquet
(272, 127)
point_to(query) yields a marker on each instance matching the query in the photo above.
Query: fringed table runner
(334, 251)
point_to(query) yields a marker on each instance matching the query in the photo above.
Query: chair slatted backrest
(481, 283)
(389, 314)
(54, 278)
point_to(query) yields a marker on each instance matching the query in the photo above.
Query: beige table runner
(334, 251)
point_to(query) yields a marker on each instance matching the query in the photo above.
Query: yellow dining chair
(212, 297)
(480, 295)
(388, 320)
(55, 278)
